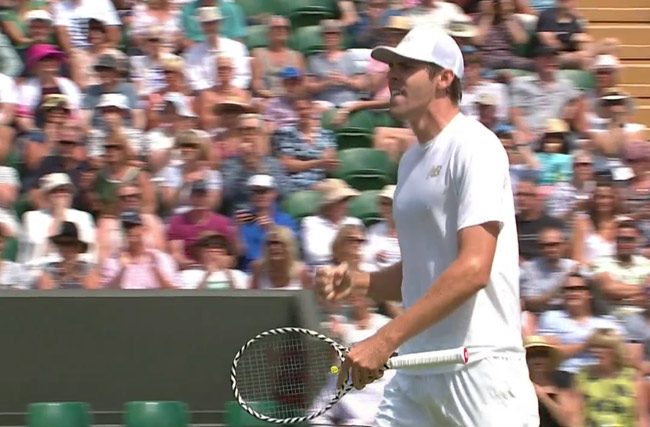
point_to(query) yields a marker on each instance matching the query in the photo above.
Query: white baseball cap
(606, 62)
(425, 43)
(114, 100)
(264, 181)
(38, 15)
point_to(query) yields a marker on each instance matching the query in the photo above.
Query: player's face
(411, 88)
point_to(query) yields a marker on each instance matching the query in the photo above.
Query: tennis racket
(289, 375)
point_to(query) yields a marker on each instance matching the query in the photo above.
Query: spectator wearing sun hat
(147, 73)
(201, 57)
(71, 22)
(318, 231)
(383, 248)
(114, 111)
(233, 25)
(264, 214)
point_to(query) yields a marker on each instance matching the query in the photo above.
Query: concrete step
(619, 14)
(627, 4)
(635, 74)
(627, 51)
(629, 34)
(637, 90)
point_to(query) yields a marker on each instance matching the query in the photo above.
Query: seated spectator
(554, 158)
(147, 73)
(12, 274)
(499, 32)
(264, 215)
(223, 90)
(71, 23)
(83, 70)
(227, 136)
(621, 277)
(366, 33)
(120, 167)
(184, 228)
(318, 231)
(39, 25)
(606, 72)
(636, 155)
(475, 86)
(174, 117)
(15, 19)
(539, 97)
(72, 272)
(109, 81)
(543, 358)
(307, 151)
(9, 191)
(279, 266)
(571, 327)
(637, 328)
(114, 111)
(349, 246)
(157, 13)
(523, 162)
(437, 13)
(64, 158)
(177, 179)
(594, 230)
(531, 219)
(486, 104)
(383, 248)
(8, 106)
(201, 57)
(212, 271)
(462, 30)
(136, 266)
(110, 230)
(333, 77)
(568, 197)
(542, 278)
(593, 386)
(233, 25)
(268, 62)
(615, 129)
(251, 160)
(280, 111)
(35, 250)
(44, 61)
(558, 28)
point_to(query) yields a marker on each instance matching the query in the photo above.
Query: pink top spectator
(181, 228)
(140, 275)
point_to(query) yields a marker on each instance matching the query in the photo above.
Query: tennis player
(459, 273)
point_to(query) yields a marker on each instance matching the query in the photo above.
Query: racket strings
(287, 375)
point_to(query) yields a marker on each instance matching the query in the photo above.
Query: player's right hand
(333, 283)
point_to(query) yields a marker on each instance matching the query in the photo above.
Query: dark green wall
(109, 347)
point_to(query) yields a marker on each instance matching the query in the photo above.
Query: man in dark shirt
(531, 219)
(560, 28)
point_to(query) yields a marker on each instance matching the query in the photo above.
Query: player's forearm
(462, 280)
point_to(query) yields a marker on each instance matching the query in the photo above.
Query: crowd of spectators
(143, 145)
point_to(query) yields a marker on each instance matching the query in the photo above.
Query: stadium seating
(257, 8)
(364, 168)
(59, 414)
(256, 36)
(307, 40)
(302, 203)
(156, 414)
(581, 79)
(365, 207)
(353, 139)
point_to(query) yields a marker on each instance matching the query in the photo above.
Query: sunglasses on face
(359, 240)
(130, 196)
(550, 244)
(248, 129)
(112, 147)
(67, 142)
(625, 239)
(260, 190)
(274, 243)
(576, 288)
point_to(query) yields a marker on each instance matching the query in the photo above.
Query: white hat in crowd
(426, 44)
(55, 180)
(114, 100)
(38, 15)
(263, 181)
(208, 14)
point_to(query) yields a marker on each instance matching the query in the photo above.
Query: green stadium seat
(256, 36)
(353, 139)
(10, 251)
(360, 121)
(365, 168)
(365, 207)
(514, 72)
(156, 414)
(59, 414)
(253, 9)
(287, 7)
(581, 79)
(303, 203)
(309, 16)
(307, 40)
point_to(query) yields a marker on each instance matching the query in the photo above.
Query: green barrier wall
(110, 347)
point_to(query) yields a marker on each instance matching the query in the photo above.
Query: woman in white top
(383, 248)
(318, 231)
(279, 267)
(348, 246)
(157, 13)
(595, 230)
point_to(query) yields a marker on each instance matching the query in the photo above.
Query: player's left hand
(365, 361)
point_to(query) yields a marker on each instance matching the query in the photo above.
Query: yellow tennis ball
(334, 370)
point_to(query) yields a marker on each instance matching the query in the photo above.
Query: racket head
(288, 375)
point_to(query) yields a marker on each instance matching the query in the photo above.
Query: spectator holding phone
(264, 214)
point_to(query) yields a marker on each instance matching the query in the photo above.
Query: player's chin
(398, 111)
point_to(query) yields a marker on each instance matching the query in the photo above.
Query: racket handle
(429, 359)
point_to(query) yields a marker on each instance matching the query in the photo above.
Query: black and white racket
(289, 375)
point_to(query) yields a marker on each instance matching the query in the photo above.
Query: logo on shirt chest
(435, 171)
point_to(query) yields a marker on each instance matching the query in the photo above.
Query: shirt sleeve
(546, 22)
(481, 180)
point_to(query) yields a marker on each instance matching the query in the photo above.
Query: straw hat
(462, 26)
(388, 192)
(335, 190)
(614, 94)
(537, 342)
(232, 103)
(401, 23)
(555, 126)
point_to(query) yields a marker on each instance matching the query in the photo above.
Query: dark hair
(455, 90)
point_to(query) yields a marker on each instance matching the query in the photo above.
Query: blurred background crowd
(220, 144)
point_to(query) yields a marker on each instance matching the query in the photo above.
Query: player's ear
(445, 79)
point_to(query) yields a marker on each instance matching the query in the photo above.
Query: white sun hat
(425, 43)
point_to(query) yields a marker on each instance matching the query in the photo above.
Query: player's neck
(434, 119)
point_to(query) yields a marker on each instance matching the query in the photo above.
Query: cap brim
(386, 54)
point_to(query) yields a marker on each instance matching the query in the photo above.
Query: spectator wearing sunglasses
(279, 266)
(264, 215)
(622, 277)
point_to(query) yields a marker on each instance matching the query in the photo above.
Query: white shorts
(492, 392)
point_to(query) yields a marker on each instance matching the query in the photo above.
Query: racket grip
(429, 359)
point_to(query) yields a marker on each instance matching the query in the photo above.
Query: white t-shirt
(75, 17)
(8, 90)
(192, 278)
(317, 235)
(457, 180)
